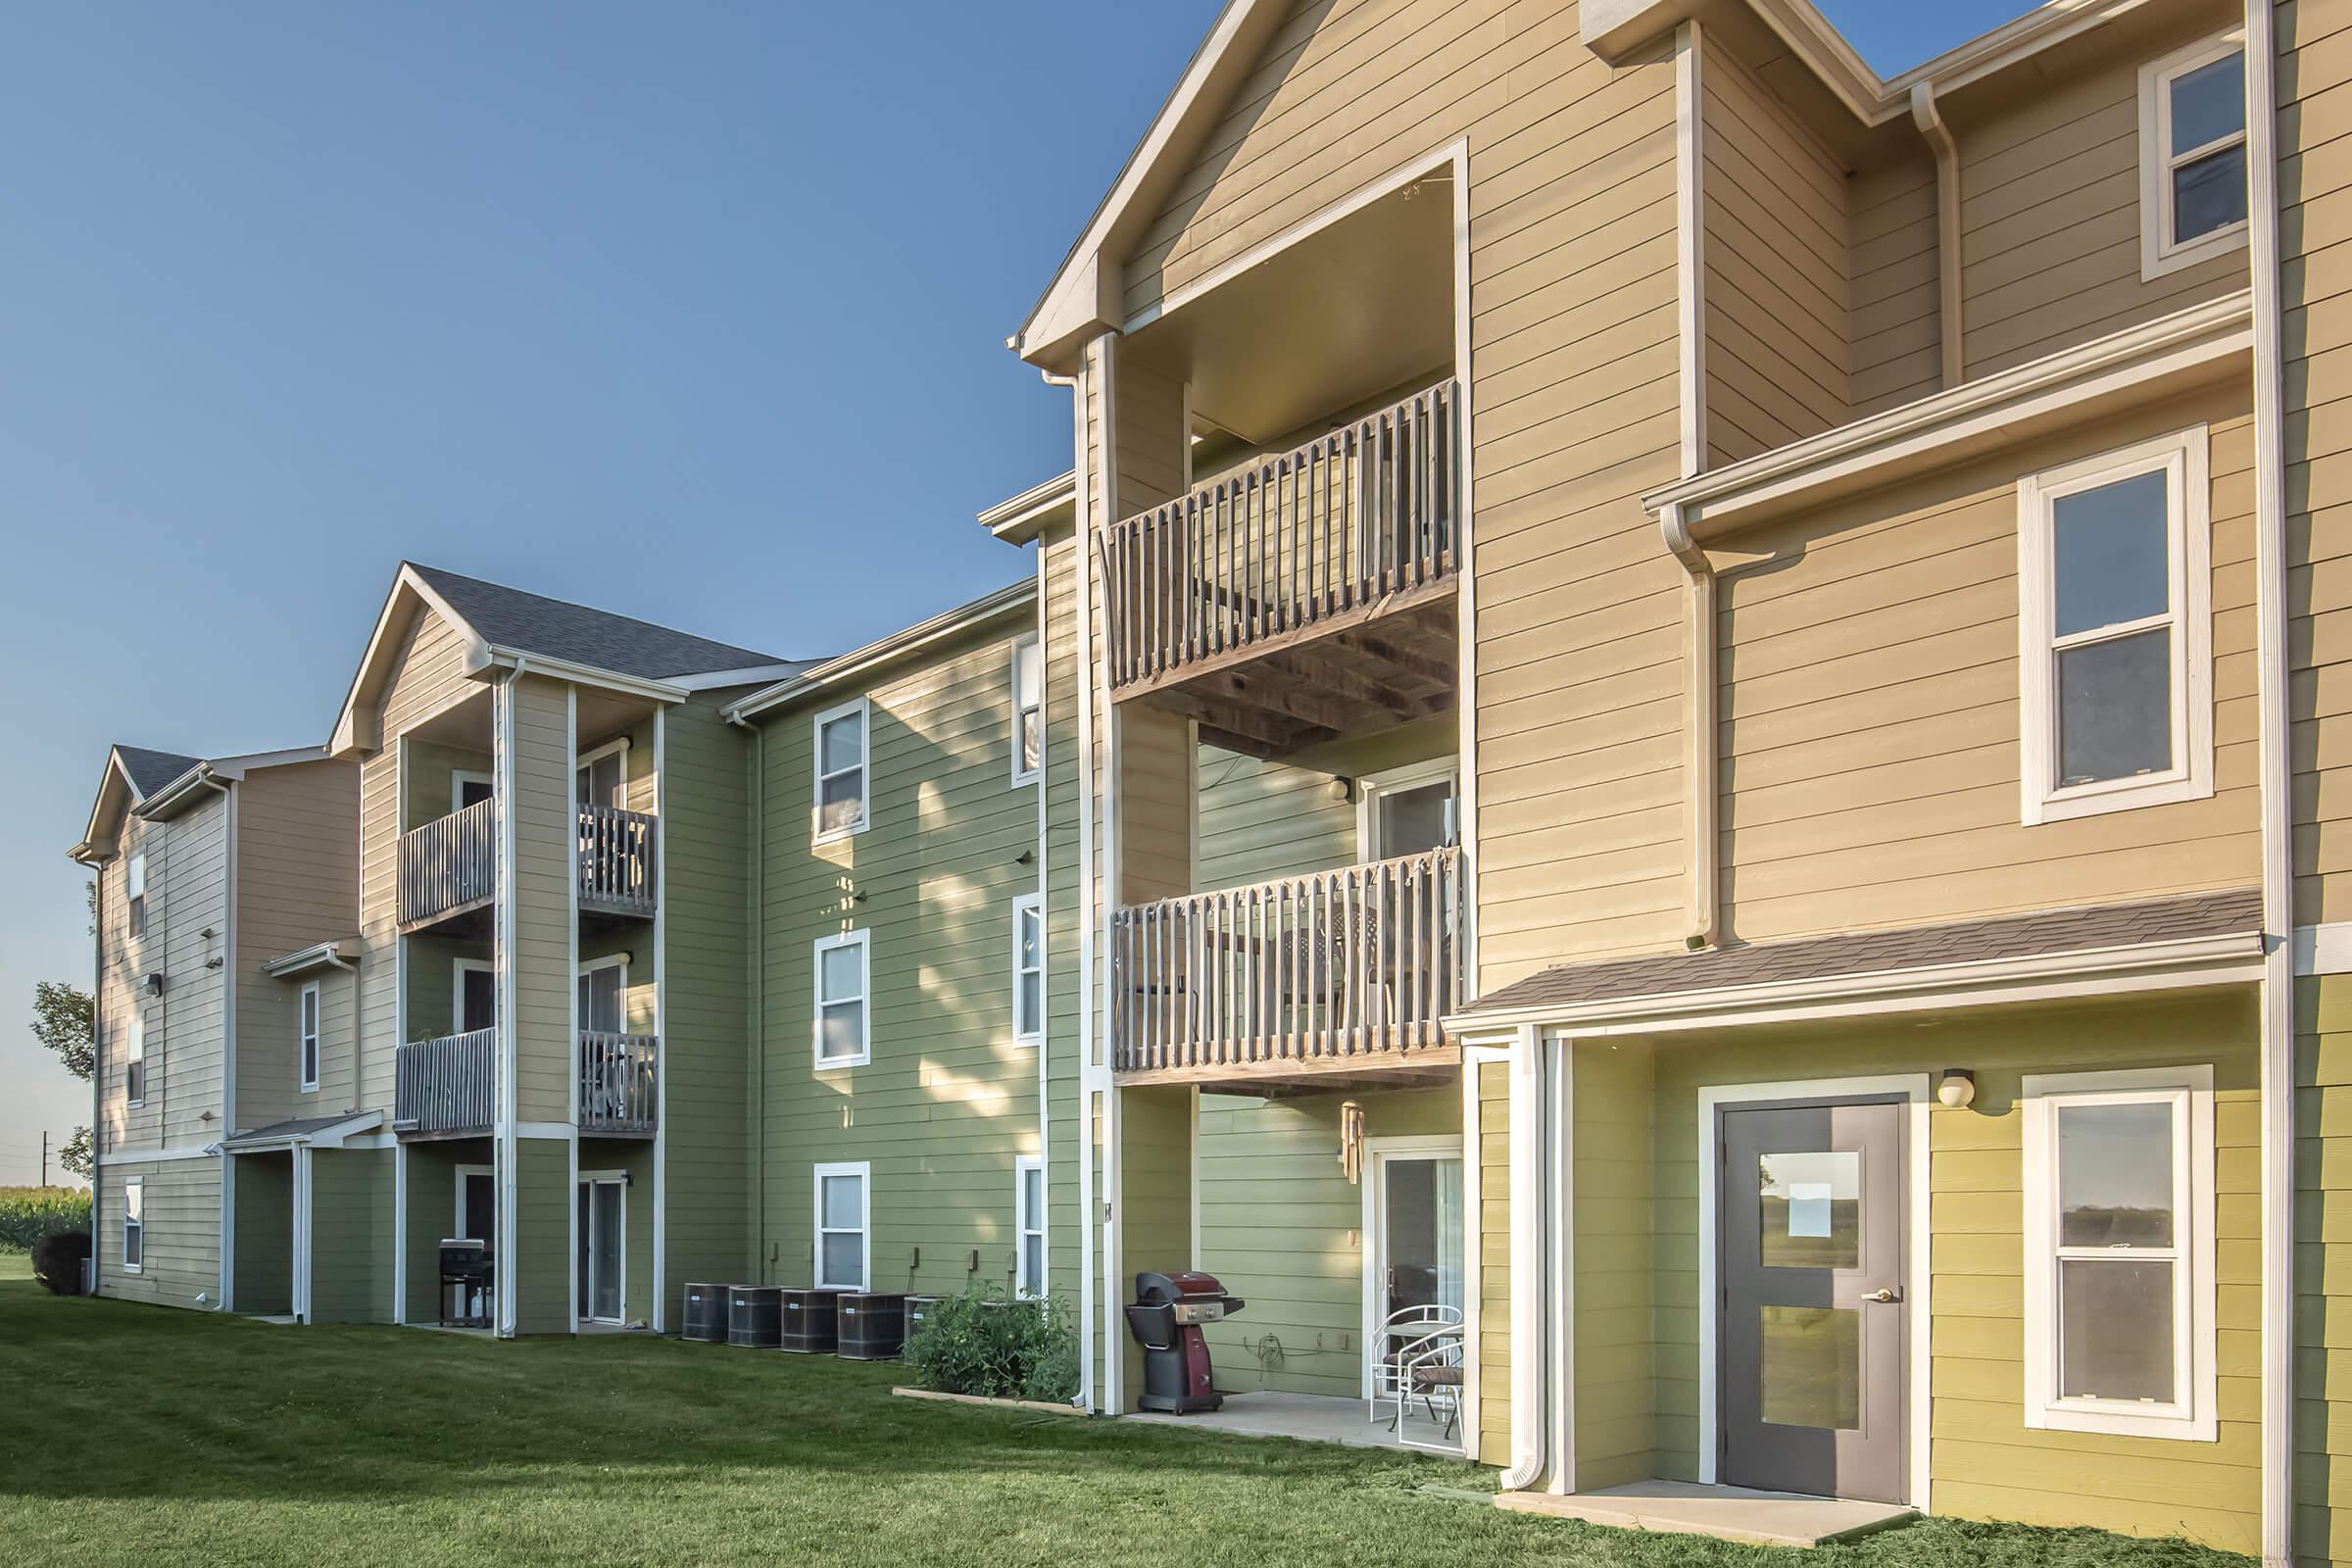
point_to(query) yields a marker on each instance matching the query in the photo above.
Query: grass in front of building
(141, 1435)
(15, 1266)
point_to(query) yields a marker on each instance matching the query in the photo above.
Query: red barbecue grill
(1166, 1320)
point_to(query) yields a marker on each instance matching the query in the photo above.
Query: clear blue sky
(694, 312)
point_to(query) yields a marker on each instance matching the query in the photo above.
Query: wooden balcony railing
(617, 860)
(450, 865)
(1326, 535)
(446, 1087)
(1352, 966)
(620, 1092)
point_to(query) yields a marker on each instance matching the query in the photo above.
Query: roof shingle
(554, 628)
(151, 770)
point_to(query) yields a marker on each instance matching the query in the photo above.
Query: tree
(62, 1022)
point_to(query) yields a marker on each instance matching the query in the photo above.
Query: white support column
(660, 1313)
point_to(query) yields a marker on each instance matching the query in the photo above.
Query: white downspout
(1705, 853)
(2277, 823)
(1938, 136)
(1530, 1166)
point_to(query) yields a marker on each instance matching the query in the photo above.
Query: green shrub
(982, 1344)
(29, 1213)
(58, 1259)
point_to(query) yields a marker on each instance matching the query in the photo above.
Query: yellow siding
(1495, 1262)
(1618, 1313)
(1869, 702)
(1895, 329)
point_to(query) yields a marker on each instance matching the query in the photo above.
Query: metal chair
(1404, 1338)
(1433, 1374)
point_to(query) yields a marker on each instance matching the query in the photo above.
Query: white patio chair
(1433, 1374)
(1406, 1335)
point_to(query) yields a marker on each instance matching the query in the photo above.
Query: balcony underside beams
(1386, 664)
(1431, 1067)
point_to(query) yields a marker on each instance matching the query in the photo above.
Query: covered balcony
(449, 866)
(620, 1090)
(448, 1087)
(1313, 982)
(1300, 598)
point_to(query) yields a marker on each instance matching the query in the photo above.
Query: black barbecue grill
(467, 1269)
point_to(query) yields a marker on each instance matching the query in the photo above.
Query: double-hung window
(134, 1061)
(843, 1015)
(1028, 710)
(2192, 154)
(135, 1225)
(1029, 1214)
(1028, 968)
(843, 804)
(2115, 632)
(134, 892)
(2119, 1218)
(844, 1222)
(306, 1010)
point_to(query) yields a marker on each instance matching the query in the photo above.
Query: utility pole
(44, 1159)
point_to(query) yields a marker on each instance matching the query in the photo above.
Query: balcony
(1309, 983)
(446, 1088)
(620, 1093)
(449, 867)
(1308, 597)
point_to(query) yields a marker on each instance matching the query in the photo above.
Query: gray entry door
(1810, 1393)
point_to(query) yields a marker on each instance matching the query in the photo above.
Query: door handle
(1884, 1295)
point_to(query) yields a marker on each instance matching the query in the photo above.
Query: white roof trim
(1763, 485)
(1019, 519)
(318, 956)
(332, 1137)
(751, 675)
(833, 672)
(522, 661)
(348, 736)
(2229, 959)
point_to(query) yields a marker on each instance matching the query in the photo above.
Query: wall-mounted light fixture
(1956, 1089)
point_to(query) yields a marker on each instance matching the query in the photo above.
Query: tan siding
(1494, 1156)
(1895, 331)
(187, 897)
(541, 922)
(182, 1245)
(1869, 701)
(1617, 1311)
(298, 842)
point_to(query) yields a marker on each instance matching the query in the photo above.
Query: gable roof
(152, 783)
(1085, 295)
(149, 772)
(509, 627)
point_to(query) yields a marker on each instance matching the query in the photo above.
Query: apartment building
(1731, 655)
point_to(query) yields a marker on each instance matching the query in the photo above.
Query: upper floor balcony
(1307, 981)
(449, 866)
(447, 1088)
(1303, 596)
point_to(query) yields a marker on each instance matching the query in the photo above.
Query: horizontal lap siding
(1895, 329)
(1778, 248)
(298, 843)
(1065, 1217)
(182, 1245)
(187, 896)
(1263, 821)
(541, 923)
(2315, 194)
(1493, 1189)
(1281, 1226)
(264, 1266)
(1616, 1393)
(2050, 215)
(1984, 1462)
(351, 1236)
(427, 677)
(706, 840)
(1869, 709)
(542, 1260)
(949, 1098)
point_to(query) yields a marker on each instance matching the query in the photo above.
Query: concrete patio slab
(1727, 1513)
(1311, 1417)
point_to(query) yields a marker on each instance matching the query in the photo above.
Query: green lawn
(137, 1434)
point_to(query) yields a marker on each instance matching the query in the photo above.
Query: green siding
(427, 795)
(429, 978)
(1281, 1225)
(432, 1214)
(1614, 1262)
(634, 1158)
(541, 1261)
(351, 1236)
(706, 838)
(262, 1269)
(949, 1099)
(1984, 1462)
(1263, 821)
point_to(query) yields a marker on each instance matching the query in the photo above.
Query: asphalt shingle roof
(556, 629)
(2046, 931)
(151, 770)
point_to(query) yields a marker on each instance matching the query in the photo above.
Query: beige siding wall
(1896, 330)
(182, 1244)
(427, 678)
(1495, 1262)
(2050, 210)
(187, 896)
(1870, 710)
(541, 923)
(1778, 248)
(298, 843)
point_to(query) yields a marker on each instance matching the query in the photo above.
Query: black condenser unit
(706, 1314)
(812, 1321)
(874, 1326)
(754, 1316)
(918, 1312)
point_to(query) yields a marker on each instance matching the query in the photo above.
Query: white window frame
(862, 941)
(2158, 253)
(1026, 1225)
(459, 968)
(134, 1056)
(589, 966)
(1022, 706)
(865, 1172)
(2193, 1416)
(134, 894)
(459, 778)
(2183, 458)
(1370, 787)
(818, 833)
(309, 1025)
(1028, 1031)
(618, 746)
(134, 1219)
